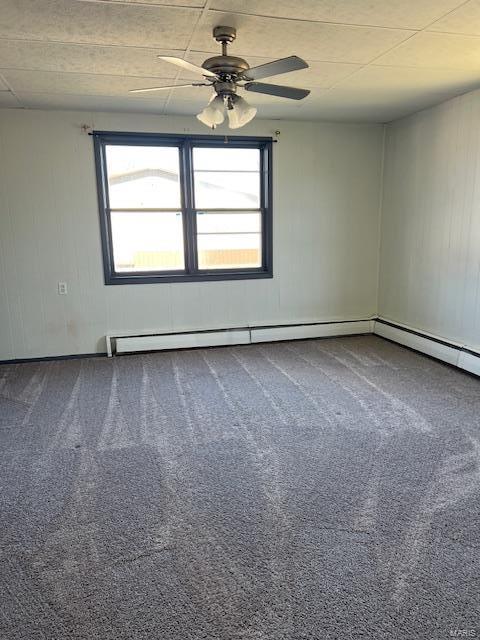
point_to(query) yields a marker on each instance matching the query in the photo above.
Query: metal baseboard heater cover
(456, 354)
(118, 343)
(181, 341)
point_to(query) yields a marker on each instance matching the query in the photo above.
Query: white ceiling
(370, 60)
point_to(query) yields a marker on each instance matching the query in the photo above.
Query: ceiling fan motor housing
(226, 65)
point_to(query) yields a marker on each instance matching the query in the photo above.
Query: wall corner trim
(381, 197)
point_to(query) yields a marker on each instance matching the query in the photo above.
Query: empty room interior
(239, 319)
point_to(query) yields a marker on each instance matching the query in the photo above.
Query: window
(176, 208)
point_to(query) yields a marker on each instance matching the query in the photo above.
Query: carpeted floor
(302, 490)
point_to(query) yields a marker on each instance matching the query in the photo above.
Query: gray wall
(326, 219)
(430, 230)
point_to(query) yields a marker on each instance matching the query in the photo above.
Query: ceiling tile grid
(464, 20)
(369, 60)
(408, 14)
(98, 23)
(319, 41)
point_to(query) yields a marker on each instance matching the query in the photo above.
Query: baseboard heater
(150, 341)
(458, 355)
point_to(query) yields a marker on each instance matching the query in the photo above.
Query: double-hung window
(184, 208)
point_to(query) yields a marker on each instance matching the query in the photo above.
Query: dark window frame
(185, 143)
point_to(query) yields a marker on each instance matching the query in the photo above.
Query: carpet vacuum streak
(287, 491)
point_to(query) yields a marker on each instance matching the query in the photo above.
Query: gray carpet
(302, 490)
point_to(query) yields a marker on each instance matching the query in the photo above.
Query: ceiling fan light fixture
(225, 74)
(212, 115)
(240, 113)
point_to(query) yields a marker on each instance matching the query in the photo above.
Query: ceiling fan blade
(188, 66)
(277, 90)
(171, 86)
(275, 68)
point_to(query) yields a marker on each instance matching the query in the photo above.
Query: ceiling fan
(225, 74)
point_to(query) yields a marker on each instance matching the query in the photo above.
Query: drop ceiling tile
(314, 112)
(120, 104)
(388, 94)
(84, 58)
(78, 84)
(187, 102)
(435, 50)
(405, 80)
(98, 22)
(264, 37)
(408, 14)
(343, 105)
(176, 3)
(195, 97)
(465, 19)
(311, 110)
(319, 74)
(110, 47)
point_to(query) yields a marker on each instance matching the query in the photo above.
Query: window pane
(229, 240)
(229, 221)
(143, 177)
(147, 241)
(226, 178)
(227, 190)
(218, 158)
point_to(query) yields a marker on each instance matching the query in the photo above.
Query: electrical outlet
(62, 288)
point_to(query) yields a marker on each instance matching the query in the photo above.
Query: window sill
(207, 276)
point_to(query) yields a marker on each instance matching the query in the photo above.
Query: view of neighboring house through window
(145, 208)
(227, 200)
(184, 209)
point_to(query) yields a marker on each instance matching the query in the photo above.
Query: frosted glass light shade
(241, 113)
(212, 115)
